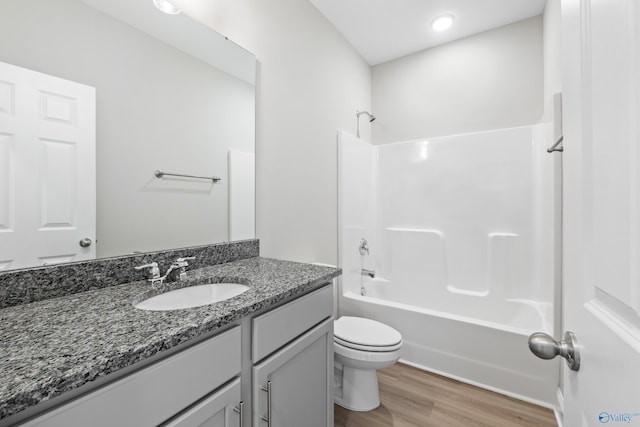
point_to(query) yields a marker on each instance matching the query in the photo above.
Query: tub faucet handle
(364, 247)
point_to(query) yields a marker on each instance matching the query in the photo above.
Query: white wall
(492, 80)
(552, 41)
(310, 83)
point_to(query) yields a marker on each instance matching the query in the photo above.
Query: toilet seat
(363, 334)
(376, 349)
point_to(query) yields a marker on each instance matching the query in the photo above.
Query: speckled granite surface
(53, 346)
(37, 284)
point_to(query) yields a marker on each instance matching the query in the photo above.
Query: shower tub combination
(460, 232)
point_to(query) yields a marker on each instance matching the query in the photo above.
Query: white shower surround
(460, 230)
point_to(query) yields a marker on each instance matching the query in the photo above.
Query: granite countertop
(53, 346)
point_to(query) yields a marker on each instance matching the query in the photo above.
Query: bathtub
(488, 350)
(461, 231)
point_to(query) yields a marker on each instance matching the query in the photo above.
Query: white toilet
(362, 346)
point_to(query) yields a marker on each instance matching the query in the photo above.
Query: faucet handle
(182, 262)
(178, 270)
(154, 271)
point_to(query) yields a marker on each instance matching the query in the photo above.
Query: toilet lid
(363, 332)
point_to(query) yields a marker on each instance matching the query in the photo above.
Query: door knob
(85, 243)
(545, 347)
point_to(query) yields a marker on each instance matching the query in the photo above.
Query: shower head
(358, 114)
(371, 116)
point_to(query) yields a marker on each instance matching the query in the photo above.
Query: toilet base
(363, 397)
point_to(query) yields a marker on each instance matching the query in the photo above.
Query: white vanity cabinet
(292, 387)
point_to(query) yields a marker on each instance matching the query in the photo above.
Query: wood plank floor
(412, 397)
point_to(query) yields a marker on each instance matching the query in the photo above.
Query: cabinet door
(220, 409)
(298, 379)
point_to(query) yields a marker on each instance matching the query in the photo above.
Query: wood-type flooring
(412, 397)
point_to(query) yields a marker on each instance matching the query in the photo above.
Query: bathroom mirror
(170, 94)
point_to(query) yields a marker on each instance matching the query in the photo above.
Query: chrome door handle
(545, 347)
(85, 243)
(267, 419)
(240, 410)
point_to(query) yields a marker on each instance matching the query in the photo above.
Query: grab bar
(555, 147)
(160, 174)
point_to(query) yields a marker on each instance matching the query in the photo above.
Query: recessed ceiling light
(166, 7)
(441, 23)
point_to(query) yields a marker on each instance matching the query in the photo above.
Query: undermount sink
(192, 296)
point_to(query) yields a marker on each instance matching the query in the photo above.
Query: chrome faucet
(369, 273)
(177, 271)
(153, 276)
(364, 247)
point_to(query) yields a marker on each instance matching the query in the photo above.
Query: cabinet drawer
(274, 329)
(156, 393)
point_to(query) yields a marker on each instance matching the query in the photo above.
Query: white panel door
(47, 169)
(601, 158)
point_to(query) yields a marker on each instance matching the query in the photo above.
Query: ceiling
(382, 30)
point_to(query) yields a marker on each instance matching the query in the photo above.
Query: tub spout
(369, 273)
